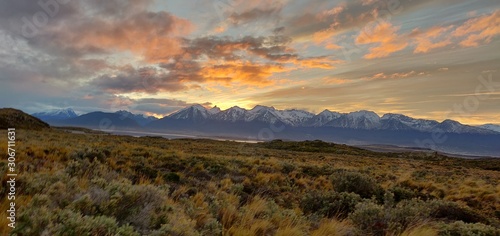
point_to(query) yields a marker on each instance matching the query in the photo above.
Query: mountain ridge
(268, 123)
(362, 119)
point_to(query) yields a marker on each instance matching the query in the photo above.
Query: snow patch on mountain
(195, 112)
(491, 127)
(56, 114)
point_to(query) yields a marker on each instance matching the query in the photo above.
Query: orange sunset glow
(156, 57)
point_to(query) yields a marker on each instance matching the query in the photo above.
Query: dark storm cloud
(145, 79)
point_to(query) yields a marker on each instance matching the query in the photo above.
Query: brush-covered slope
(13, 118)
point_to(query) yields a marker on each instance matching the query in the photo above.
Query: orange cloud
(154, 36)
(335, 81)
(478, 30)
(426, 41)
(398, 75)
(314, 62)
(242, 72)
(331, 12)
(326, 36)
(385, 35)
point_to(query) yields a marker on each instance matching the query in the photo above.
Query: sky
(426, 59)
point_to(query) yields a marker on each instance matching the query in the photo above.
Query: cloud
(335, 81)
(241, 12)
(398, 75)
(311, 17)
(145, 79)
(479, 30)
(77, 29)
(247, 60)
(431, 38)
(242, 72)
(159, 106)
(385, 35)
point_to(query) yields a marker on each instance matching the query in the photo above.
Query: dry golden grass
(212, 187)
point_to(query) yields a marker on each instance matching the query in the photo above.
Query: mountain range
(367, 120)
(265, 123)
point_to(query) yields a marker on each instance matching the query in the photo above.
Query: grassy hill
(12, 118)
(98, 184)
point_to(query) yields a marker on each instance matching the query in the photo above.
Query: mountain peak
(198, 107)
(492, 127)
(327, 112)
(395, 116)
(194, 112)
(260, 107)
(214, 110)
(235, 108)
(56, 114)
(364, 113)
(451, 122)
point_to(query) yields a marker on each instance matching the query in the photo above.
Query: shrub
(286, 168)
(316, 171)
(369, 218)
(452, 211)
(373, 219)
(71, 223)
(402, 193)
(331, 204)
(355, 182)
(171, 177)
(459, 228)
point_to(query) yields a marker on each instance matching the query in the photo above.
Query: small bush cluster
(331, 204)
(459, 228)
(355, 182)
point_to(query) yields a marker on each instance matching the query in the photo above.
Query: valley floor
(99, 184)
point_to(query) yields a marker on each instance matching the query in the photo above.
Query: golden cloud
(427, 40)
(243, 72)
(478, 30)
(385, 35)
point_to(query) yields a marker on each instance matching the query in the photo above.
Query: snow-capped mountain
(195, 113)
(214, 110)
(492, 127)
(451, 126)
(141, 119)
(232, 114)
(357, 120)
(56, 114)
(294, 117)
(360, 120)
(263, 114)
(257, 114)
(322, 118)
(401, 122)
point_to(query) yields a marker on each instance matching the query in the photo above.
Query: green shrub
(171, 177)
(331, 204)
(459, 228)
(373, 219)
(355, 182)
(369, 218)
(286, 167)
(71, 223)
(316, 171)
(452, 211)
(402, 193)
